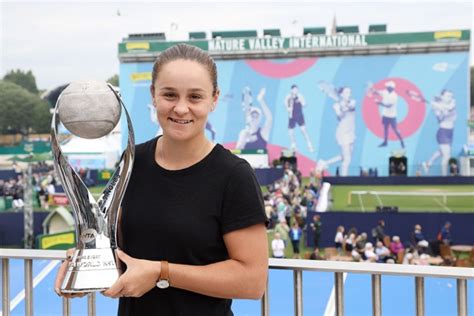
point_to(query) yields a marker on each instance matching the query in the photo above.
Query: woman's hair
(186, 52)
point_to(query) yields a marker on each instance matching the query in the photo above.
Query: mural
(340, 115)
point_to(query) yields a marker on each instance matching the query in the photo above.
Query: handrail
(376, 270)
(372, 268)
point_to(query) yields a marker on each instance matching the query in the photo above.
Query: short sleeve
(243, 202)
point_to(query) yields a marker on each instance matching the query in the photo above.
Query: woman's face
(182, 95)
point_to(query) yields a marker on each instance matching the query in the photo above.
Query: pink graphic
(281, 70)
(413, 119)
(274, 151)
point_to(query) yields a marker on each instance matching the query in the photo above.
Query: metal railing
(376, 270)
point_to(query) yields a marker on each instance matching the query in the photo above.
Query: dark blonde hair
(186, 52)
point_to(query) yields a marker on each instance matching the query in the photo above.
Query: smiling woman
(192, 232)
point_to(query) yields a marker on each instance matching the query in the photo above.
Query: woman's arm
(243, 275)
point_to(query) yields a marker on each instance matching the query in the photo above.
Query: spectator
(316, 226)
(339, 238)
(417, 236)
(315, 255)
(283, 229)
(382, 252)
(378, 232)
(445, 234)
(396, 246)
(17, 193)
(295, 237)
(369, 253)
(350, 241)
(278, 246)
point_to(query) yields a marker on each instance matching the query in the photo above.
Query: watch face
(163, 284)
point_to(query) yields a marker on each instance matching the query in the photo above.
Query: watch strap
(165, 271)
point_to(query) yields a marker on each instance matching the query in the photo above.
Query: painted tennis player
(444, 108)
(344, 108)
(388, 101)
(294, 103)
(255, 135)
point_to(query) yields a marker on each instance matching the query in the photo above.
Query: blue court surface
(398, 294)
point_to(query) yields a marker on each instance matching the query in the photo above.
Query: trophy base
(91, 270)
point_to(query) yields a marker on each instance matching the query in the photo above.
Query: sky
(63, 41)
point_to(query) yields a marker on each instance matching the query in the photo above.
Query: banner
(341, 115)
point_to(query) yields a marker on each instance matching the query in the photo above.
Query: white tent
(99, 153)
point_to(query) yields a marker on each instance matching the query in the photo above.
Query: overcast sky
(63, 41)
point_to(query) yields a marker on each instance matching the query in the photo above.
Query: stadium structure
(326, 97)
(323, 102)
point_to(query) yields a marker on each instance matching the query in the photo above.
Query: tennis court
(397, 294)
(408, 198)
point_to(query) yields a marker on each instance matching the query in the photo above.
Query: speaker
(290, 160)
(397, 166)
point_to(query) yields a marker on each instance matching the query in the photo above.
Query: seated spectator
(350, 242)
(278, 246)
(396, 246)
(382, 252)
(360, 244)
(423, 247)
(315, 255)
(417, 236)
(445, 234)
(339, 238)
(369, 253)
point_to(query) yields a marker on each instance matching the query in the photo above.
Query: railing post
(265, 310)
(420, 296)
(376, 295)
(5, 287)
(91, 304)
(462, 297)
(339, 291)
(298, 291)
(66, 307)
(28, 287)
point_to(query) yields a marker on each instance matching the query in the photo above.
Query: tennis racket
(415, 96)
(329, 89)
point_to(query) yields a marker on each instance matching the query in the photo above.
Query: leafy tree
(22, 111)
(114, 80)
(23, 79)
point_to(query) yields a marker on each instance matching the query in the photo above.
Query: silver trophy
(91, 109)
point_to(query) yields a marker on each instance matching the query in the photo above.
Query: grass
(457, 204)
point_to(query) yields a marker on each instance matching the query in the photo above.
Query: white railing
(376, 270)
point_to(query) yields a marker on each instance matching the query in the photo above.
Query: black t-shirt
(181, 216)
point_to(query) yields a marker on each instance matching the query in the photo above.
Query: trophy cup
(91, 109)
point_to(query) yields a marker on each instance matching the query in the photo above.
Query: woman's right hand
(62, 274)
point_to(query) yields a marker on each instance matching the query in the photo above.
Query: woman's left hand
(140, 277)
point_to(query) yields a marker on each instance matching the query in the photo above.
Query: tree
(23, 79)
(22, 111)
(114, 80)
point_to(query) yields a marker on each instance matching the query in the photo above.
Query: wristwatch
(164, 280)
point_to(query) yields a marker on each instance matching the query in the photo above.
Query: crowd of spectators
(287, 203)
(43, 181)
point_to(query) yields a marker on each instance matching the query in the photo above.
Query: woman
(255, 136)
(344, 108)
(191, 209)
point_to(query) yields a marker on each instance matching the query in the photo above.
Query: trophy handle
(96, 221)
